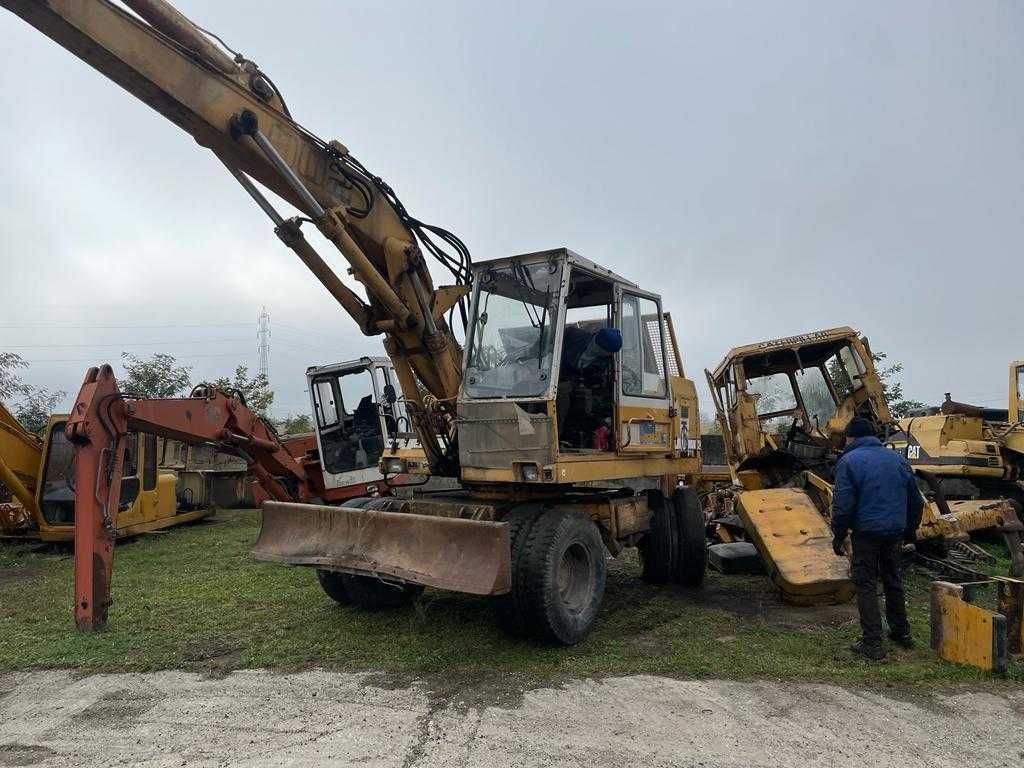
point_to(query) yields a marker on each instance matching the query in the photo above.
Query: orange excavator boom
(98, 425)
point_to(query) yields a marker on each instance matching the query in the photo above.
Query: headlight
(394, 466)
(528, 472)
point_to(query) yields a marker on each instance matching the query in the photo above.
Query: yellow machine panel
(966, 633)
(148, 497)
(20, 456)
(795, 543)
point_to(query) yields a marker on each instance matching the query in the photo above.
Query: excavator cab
(357, 416)
(146, 501)
(1016, 409)
(570, 374)
(793, 397)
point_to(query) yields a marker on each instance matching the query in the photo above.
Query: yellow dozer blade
(966, 516)
(470, 556)
(795, 543)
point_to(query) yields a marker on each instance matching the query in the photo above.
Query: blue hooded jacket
(874, 491)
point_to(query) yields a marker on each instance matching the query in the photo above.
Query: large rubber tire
(658, 545)
(333, 584)
(372, 594)
(508, 608)
(367, 592)
(561, 577)
(691, 560)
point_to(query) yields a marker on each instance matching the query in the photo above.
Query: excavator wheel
(658, 546)
(561, 577)
(508, 608)
(332, 583)
(691, 550)
(373, 594)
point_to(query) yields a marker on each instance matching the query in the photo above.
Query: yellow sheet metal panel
(20, 450)
(965, 633)
(795, 543)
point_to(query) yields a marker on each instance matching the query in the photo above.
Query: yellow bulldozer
(783, 406)
(968, 452)
(37, 494)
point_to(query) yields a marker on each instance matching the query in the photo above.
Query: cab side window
(642, 356)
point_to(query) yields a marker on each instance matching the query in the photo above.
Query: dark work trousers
(874, 558)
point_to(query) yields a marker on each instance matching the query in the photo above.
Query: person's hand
(837, 546)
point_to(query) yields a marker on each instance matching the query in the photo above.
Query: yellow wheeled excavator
(568, 403)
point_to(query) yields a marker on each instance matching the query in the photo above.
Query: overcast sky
(770, 168)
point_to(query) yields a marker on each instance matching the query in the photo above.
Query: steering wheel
(791, 434)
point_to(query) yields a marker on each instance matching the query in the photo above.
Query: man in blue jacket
(875, 496)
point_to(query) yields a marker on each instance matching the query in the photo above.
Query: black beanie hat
(859, 427)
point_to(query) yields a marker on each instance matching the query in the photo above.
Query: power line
(94, 360)
(120, 344)
(72, 326)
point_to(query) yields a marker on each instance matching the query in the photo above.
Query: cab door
(643, 400)
(1016, 409)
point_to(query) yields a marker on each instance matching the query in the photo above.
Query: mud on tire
(561, 577)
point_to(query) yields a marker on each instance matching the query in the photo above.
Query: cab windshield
(807, 383)
(512, 338)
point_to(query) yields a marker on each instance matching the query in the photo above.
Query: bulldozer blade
(470, 556)
(966, 516)
(795, 543)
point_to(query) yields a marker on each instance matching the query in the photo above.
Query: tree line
(157, 376)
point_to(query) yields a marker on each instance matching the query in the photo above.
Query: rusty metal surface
(447, 505)
(445, 552)
(493, 435)
(965, 516)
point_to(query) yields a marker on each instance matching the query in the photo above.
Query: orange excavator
(310, 468)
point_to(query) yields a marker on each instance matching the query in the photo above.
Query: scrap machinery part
(21, 454)
(783, 406)
(98, 426)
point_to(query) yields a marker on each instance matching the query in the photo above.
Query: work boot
(903, 641)
(873, 652)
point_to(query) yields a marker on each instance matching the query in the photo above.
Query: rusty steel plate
(448, 553)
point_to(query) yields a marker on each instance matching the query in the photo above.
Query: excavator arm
(228, 105)
(98, 427)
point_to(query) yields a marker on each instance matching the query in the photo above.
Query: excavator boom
(98, 426)
(229, 106)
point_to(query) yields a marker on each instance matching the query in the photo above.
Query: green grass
(193, 599)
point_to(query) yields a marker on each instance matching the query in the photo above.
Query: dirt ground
(256, 718)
